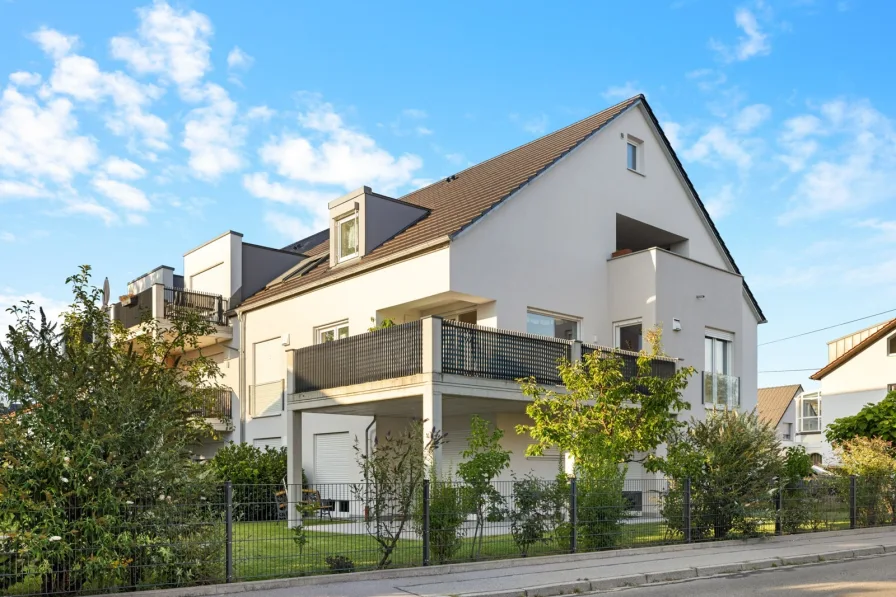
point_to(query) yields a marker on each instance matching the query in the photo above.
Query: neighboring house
(217, 276)
(861, 370)
(582, 239)
(776, 406)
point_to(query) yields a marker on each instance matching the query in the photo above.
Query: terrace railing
(721, 390)
(210, 307)
(218, 404)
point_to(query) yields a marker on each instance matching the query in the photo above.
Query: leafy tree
(873, 421)
(733, 460)
(802, 499)
(534, 514)
(872, 461)
(394, 472)
(484, 461)
(257, 475)
(602, 419)
(95, 464)
(447, 515)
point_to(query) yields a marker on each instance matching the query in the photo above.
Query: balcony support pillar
(432, 345)
(294, 466)
(158, 301)
(432, 427)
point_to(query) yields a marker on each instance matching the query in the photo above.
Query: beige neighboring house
(579, 241)
(776, 406)
(861, 370)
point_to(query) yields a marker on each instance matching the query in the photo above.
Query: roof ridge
(880, 334)
(631, 101)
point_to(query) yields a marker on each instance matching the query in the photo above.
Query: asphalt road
(865, 577)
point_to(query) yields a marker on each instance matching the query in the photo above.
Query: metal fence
(248, 532)
(210, 307)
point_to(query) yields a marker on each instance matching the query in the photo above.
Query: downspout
(242, 378)
(366, 459)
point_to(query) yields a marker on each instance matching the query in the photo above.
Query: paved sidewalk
(579, 573)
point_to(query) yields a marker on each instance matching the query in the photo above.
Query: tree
(873, 421)
(872, 461)
(602, 419)
(733, 460)
(95, 463)
(447, 515)
(394, 473)
(484, 461)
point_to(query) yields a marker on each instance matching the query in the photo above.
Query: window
(545, 324)
(629, 335)
(332, 332)
(720, 387)
(891, 346)
(810, 414)
(891, 388)
(632, 156)
(787, 431)
(347, 238)
(816, 458)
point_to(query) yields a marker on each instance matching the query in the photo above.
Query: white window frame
(331, 327)
(728, 366)
(339, 221)
(617, 330)
(814, 397)
(787, 433)
(638, 146)
(555, 315)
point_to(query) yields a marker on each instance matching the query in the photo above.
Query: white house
(861, 370)
(777, 407)
(584, 238)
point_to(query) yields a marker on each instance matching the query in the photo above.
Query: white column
(432, 424)
(432, 345)
(294, 464)
(158, 301)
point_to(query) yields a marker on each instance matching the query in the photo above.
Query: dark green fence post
(573, 517)
(228, 526)
(852, 501)
(426, 522)
(686, 510)
(779, 502)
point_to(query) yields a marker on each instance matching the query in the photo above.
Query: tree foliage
(872, 461)
(873, 421)
(603, 418)
(733, 461)
(95, 463)
(393, 472)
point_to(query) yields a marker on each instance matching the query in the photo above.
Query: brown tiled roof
(773, 402)
(884, 331)
(459, 200)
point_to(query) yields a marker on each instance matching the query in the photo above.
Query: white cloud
(857, 168)
(796, 138)
(25, 79)
(54, 43)
(622, 92)
(238, 59)
(535, 125)
(52, 308)
(292, 228)
(211, 136)
(717, 143)
(707, 79)
(7, 237)
(722, 203)
(331, 153)
(753, 43)
(673, 131)
(259, 186)
(16, 189)
(92, 209)
(751, 117)
(415, 113)
(888, 227)
(171, 43)
(124, 195)
(124, 169)
(41, 139)
(260, 113)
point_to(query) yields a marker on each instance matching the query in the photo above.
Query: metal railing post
(779, 502)
(426, 522)
(573, 517)
(686, 510)
(228, 525)
(852, 501)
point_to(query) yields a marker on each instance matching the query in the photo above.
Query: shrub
(340, 564)
(873, 462)
(447, 515)
(533, 515)
(802, 499)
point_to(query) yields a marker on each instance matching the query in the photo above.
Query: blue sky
(131, 132)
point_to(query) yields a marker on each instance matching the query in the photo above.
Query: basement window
(347, 238)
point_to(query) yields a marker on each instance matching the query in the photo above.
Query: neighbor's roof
(458, 201)
(844, 358)
(773, 402)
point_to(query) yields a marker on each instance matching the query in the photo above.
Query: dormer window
(347, 237)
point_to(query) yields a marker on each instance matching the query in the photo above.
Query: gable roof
(844, 358)
(773, 402)
(458, 201)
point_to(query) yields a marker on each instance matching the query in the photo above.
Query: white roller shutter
(268, 442)
(332, 458)
(266, 394)
(457, 435)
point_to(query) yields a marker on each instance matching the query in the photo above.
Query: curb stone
(719, 569)
(614, 582)
(680, 574)
(762, 564)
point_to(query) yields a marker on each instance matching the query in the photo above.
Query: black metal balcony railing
(720, 390)
(392, 352)
(210, 307)
(217, 404)
(658, 367)
(498, 354)
(138, 309)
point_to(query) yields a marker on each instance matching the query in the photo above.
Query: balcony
(217, 406)
(166, 304)
(448, 348)
(720, 390)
